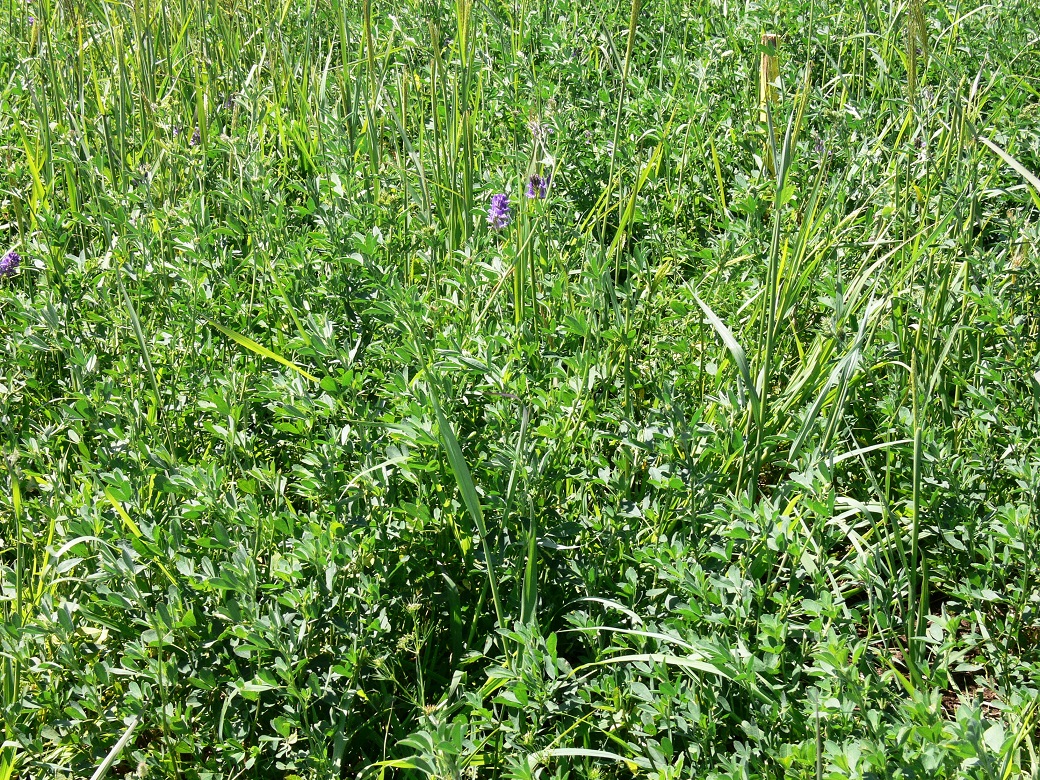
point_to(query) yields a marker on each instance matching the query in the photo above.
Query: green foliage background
(720, 461)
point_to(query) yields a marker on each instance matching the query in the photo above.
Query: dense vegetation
(709, 451)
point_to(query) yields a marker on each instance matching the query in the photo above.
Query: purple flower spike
(9, 263)
(537, 186)
(498, 215)
(195, 138)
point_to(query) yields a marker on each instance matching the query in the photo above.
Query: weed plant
(519, 389)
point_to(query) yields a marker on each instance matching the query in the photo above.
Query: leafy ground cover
(519, 389)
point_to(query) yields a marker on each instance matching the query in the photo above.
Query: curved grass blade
(128, 521)
(1020, 169)
(612, 605)
(671, 640)
(735, 350)
(133, 528)
(633, 764)
(718, 666)
(839, 380)
(864, 450)
(692, 664)
(468, 489)
(261, 350)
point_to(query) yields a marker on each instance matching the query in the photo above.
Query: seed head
(498, 215)
(540, 132)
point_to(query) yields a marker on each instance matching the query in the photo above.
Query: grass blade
(261, 350)
(1020, 169)
(735, 350)
(114, 753)
(468, 489)
(633, 764)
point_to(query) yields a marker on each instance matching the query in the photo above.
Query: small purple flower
(536, 186)
(498, 215)
(195, 138)
(9, 263)
(32, 20)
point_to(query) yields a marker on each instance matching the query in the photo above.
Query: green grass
(722, 460)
